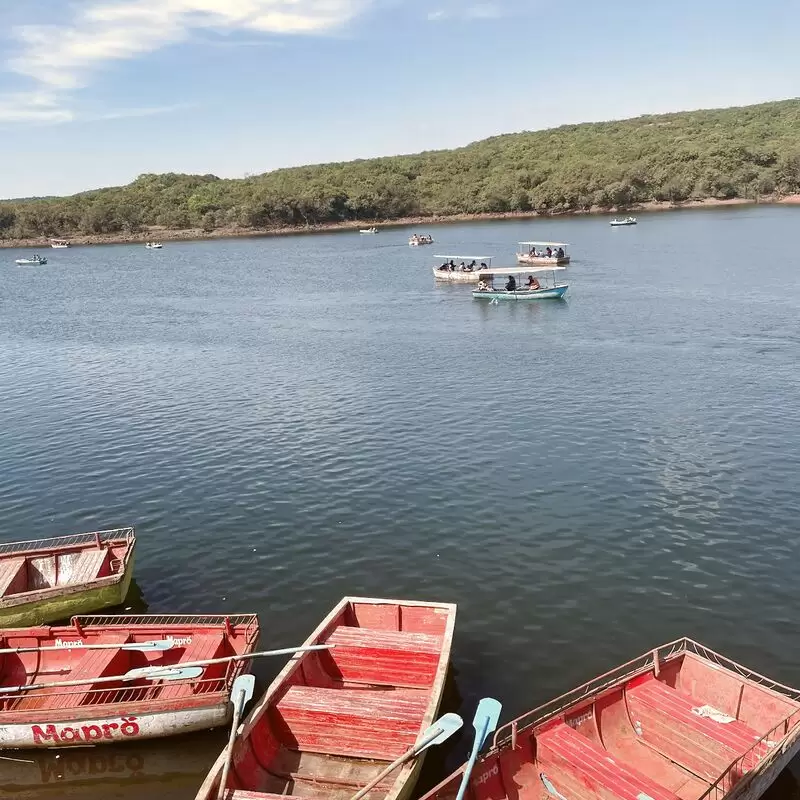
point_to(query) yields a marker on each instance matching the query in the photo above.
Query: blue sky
(95, 92)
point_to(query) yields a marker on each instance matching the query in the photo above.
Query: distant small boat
(154, 245)
(548, 253)
(59, 244)
(35, 260)
(618, 223)
(460, 269)
(332, 721)
(418, 241)
(368, 230)
(46, 580)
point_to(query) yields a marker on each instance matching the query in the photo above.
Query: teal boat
(542, 284)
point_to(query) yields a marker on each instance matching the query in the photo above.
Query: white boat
(368, 230)
(417, 240)
(59, 244)
(154, 245)
(618, 223)
(547, 253)
(549, 288)
(460, 269)
(35, 261)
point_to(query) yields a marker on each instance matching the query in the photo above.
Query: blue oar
(486, 717)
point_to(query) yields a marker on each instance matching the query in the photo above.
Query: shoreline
(196, 234)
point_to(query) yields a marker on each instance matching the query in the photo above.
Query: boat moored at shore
(548, 288)
(111, 679)
(460, 269)
(543, 253)
(679, 723)
(332, 720)
(45, 580)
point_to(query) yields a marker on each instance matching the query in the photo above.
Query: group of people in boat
(547, 253)
(531, 285)
(450, 266)
(424, 238)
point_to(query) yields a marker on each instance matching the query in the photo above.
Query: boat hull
(445, 276)
(556, 293)
(90, 730)
(541, 261)
(338, 718)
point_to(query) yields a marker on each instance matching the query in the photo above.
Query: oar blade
(164, 673)
(242, 690)
(149, 647)
(487, 716)
(440, 731)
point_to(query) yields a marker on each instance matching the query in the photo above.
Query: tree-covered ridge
(736, 152)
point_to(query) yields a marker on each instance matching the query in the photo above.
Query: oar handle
(473, 757)
(238, 707)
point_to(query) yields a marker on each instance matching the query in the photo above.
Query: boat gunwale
(294, 662)
(31, 546)
(593, 689)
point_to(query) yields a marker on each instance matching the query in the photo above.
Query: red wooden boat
(101, 711)
(333, 719)
(48, 580)
(680, 723)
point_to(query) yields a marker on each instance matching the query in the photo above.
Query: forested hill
(735, 152)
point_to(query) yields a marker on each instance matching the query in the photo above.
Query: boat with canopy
(418, 240)
(368, 230)
(678, 723)
(542, 284)
(460, 269)
(543, 253)
(619, 223)
(59, 244)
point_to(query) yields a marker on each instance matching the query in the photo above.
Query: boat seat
(579, 769)
(203, 647)
(349, 722)
(92, 664)
(89, 565)
(684, 729)
(390, 658)
(13, 576)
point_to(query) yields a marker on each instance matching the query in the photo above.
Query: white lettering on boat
(77, 763)
(178, 642)
(64, 643)
(490, 773)
(576, 721)
(67, 734)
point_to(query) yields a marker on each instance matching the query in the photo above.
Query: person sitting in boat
(511, 284)
(533, 283)
(532, 252)
(484, 286)
(452, 265)
(560, 252)
(444, 267)
(549, 252)
(483, 266)
(462, 267)
(472, 265)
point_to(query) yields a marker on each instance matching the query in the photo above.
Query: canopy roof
(467, 258)
(516, 270)
(547, 244)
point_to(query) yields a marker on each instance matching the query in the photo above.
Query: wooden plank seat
(92, 664)
(671, 722)
(349, 722)
(203, 647)
(11, 571)
(88, 566)
(390, 658)
(577, 768)
(244, 794)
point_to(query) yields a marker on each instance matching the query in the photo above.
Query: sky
(96, 92)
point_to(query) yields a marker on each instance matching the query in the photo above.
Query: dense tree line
(737, 152)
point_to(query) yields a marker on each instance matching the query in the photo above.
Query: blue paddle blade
(147, 647)
(164, 673)
(440, 731)
(486, 718)
(242, 690)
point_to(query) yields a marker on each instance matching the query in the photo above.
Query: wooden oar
(144, 672)
(241, 694)
(142, 647)
(442, 729)
(486, 716)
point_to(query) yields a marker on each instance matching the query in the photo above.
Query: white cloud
(62, 58)
(470, 12)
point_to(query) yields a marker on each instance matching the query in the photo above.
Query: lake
(289, 420)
